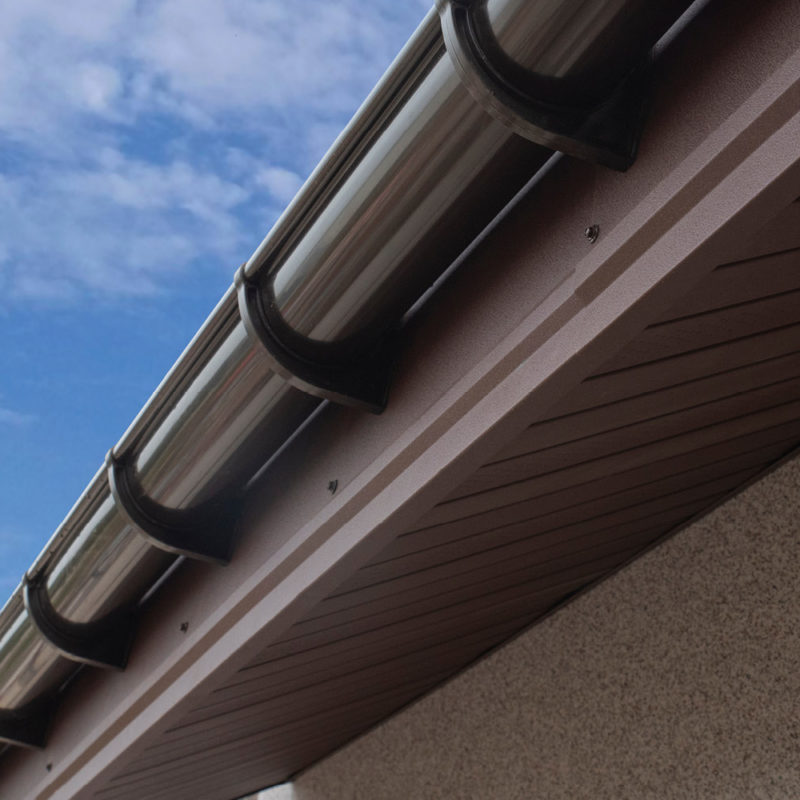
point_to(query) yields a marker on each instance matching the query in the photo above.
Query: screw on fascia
(592, 232)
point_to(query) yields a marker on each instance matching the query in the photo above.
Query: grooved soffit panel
(706, 398)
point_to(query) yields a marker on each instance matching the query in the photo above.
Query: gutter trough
(470, 110)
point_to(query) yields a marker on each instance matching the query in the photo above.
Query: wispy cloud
(121, 122)
(117, 226)
(311, 54)
(14, 418)
(282, 184)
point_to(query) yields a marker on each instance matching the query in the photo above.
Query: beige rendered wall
(679, 677)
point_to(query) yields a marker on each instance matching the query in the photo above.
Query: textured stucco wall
(679, 677)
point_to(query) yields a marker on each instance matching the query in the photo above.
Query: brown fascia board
(533, 310)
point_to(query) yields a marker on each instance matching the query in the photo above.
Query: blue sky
(146, 147)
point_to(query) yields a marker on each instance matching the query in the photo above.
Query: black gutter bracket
(361, 382)
(105, 642)
(606, 134)
(204, 532)
(28, 726)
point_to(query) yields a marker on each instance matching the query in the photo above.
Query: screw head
(592, 232)
(333, 486)
(184, 627)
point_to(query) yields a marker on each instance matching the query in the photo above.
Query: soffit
(702, 401)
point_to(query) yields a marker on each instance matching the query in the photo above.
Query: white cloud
(246, 54)
(81, 21)
(140, 185)
(56, 63)
(14, 418)
(195, 58)
(116, 227)
(149, 135)
(98, 86)
(282, 184)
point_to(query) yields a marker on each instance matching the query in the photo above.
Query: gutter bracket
(27, 726)
(360, 382)
(105, 642)
(204, 532)
(606, 134)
